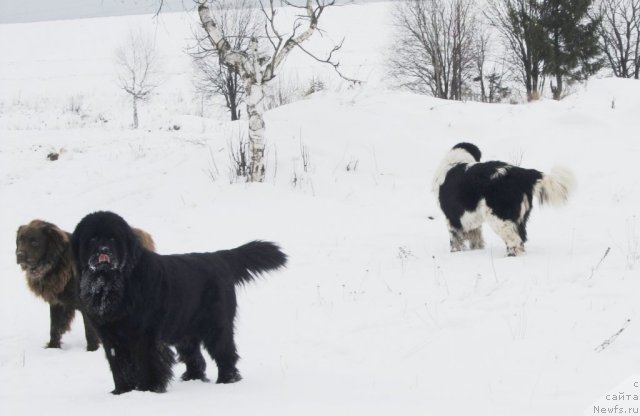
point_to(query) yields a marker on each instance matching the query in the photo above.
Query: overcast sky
(21, 11)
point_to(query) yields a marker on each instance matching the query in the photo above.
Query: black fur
(141, 302)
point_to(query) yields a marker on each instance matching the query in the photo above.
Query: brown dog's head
(39, 243)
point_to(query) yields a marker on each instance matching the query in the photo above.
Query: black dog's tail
(254, 258)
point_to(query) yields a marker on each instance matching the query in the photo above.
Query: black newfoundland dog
(471, 192)
(141, 302)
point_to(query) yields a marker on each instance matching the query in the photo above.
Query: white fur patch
(499, 172)
(508, 231)
(524, 208)
(453, 158)
(471, 220)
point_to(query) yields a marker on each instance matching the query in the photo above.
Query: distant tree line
(447, 48)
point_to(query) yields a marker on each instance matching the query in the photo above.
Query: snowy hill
(373, 315)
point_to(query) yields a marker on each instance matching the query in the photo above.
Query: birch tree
(238, 22)
(137, 64)
(257, 68)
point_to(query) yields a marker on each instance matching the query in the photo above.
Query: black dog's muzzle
(103, 260)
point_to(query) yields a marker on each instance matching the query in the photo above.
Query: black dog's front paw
(158, 389)
(123, 387)
(53, 344)
(121, 390)
(92, 347)
(227, 377)
(194, 376)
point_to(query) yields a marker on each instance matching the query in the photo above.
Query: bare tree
(214, 79)
(490, 78)
(433, 52)
(497, 90)
(520, 27)
(257, 67)
(480, 56)
(620, 36)
(464, 26)
(137, 63)
(238, 22)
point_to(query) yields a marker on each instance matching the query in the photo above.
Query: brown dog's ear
(57, 237)
(18, 234)
(144, 238)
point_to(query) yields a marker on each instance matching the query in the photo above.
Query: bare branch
(620, 36)
(157, 13)
(227, 55)
(313, 16)
(328, 60)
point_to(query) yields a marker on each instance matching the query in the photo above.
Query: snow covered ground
(373, 315)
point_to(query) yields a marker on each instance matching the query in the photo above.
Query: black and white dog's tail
(252, 259)
(555, 187)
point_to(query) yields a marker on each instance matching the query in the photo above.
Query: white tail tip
(555, 187)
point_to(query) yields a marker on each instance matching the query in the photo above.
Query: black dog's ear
(133, 248)
(133, 241)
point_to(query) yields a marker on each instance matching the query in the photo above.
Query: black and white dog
(471, 192)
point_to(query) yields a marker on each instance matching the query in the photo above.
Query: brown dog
(44, 252)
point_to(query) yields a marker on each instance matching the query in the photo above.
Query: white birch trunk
(256, 131)
(255, 107)
(135, 112)
(255, 72)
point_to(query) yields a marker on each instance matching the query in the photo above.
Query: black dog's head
(472, 149)
(106, 250)
(39, 243)
(103, 242)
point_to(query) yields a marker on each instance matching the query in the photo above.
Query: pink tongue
(103, 258)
